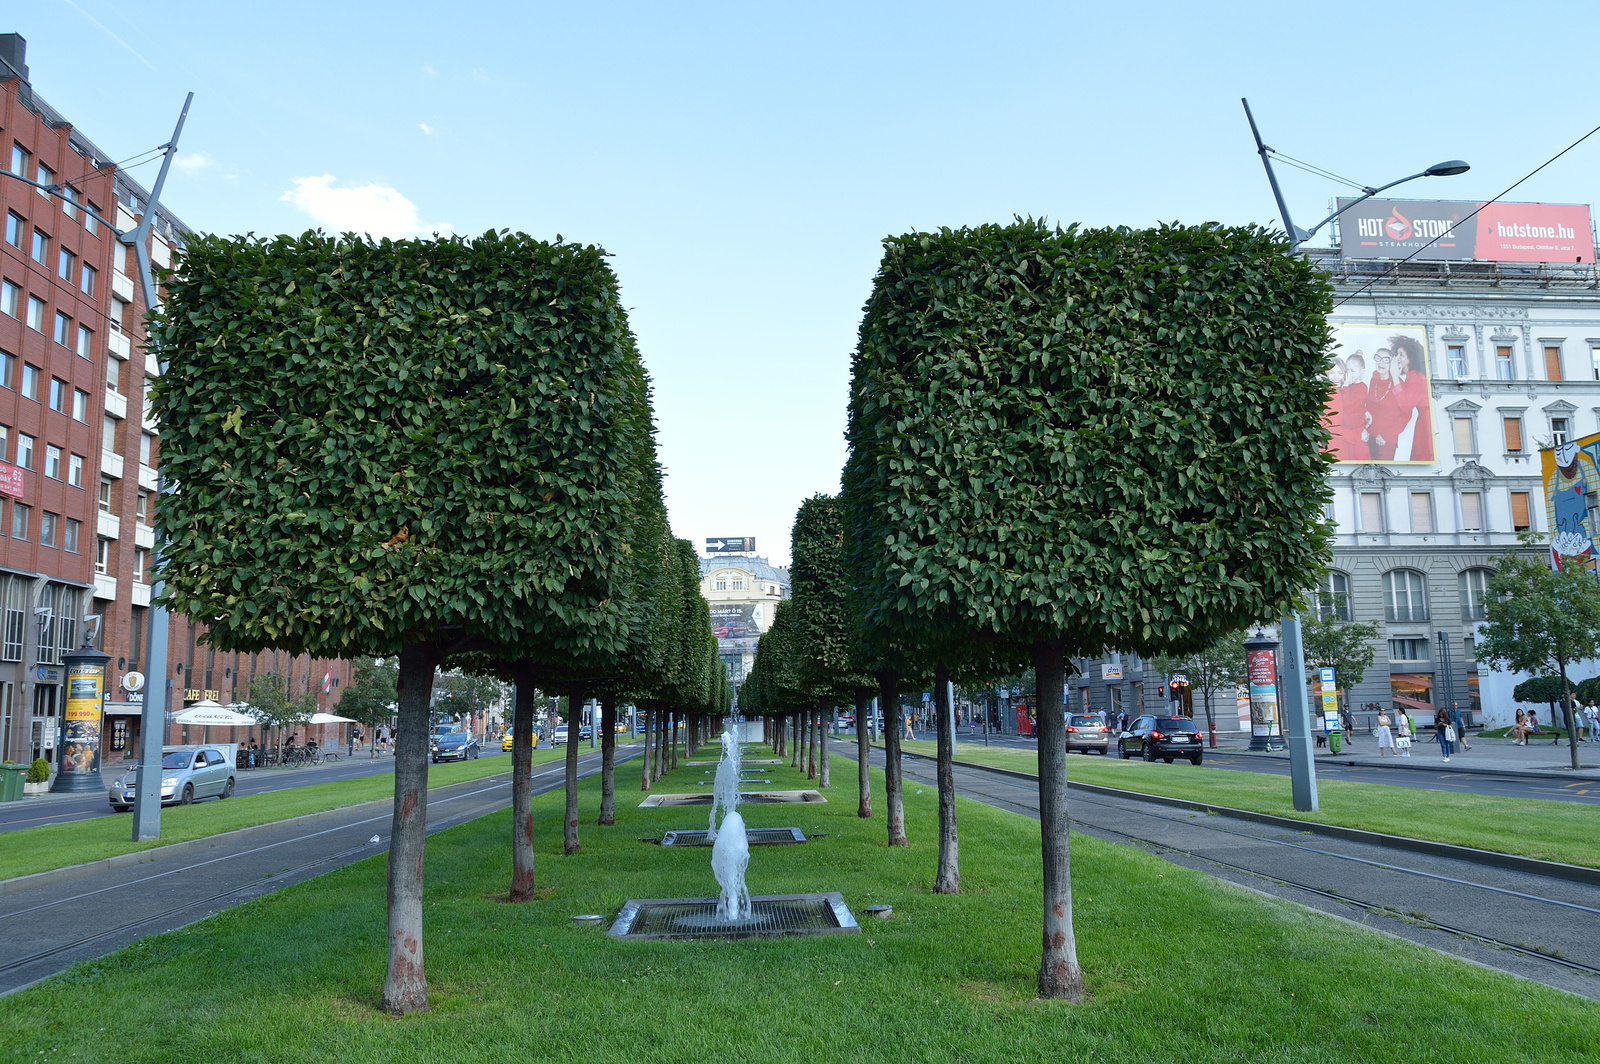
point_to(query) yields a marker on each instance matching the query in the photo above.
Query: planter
(35, 788)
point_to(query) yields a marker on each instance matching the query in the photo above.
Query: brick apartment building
(78, 448)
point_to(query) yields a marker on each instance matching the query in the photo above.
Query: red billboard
(1449, 229)
(10, 480)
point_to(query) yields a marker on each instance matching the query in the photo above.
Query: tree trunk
(893, 781)
(649, 740)
(796, 757)
(575, 699)
(863, 702)
(522, 714)
(824, 733)
(677, 718)
(405, 986)
(1566, 708)
(608, 758)
(808, 722)
(948, 880)
(1059, 974)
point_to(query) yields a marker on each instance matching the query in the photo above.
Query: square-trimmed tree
(401, 448)
(1064, 441)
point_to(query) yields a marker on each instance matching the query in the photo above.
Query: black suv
(1163, 737)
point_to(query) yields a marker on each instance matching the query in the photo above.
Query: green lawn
(1179, 967)
(1530, 827)
(39, 849)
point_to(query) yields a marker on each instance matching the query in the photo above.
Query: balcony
(118, 344)
(141, 594)
(144, 536)
(148, 422)
(111, 464)
(122, 286)
(152, 367)
(125, 220)
(116, 404)
(109, 525)
(105, 587)
(147, 477)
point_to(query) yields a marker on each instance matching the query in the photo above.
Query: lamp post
(1297, 236)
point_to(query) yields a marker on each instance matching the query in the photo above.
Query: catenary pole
(1296, 721)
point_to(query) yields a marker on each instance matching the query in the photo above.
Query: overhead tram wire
(1505, 192)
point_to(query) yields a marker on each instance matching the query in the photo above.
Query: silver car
(187, 773)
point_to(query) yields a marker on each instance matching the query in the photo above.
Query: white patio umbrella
(329, 718)
(209, 714)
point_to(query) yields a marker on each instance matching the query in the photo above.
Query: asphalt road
(50, 927)
(1587, 791)
(1535, 926)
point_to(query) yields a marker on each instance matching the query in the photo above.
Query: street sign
(1180, 680)
(730, 544)
(1111, 672)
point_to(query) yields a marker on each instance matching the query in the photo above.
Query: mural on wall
(1571, 496)
(1380, 409)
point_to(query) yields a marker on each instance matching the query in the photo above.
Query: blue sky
(743, 162)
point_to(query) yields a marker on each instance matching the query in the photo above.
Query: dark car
(1163, 737)
(1086, 734)
(454, 746)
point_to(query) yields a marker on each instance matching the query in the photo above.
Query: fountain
(725, 788)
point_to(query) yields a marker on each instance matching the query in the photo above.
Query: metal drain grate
(658, 801)
(755, 836)
(776, 914)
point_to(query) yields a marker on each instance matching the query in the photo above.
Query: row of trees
(1061, 441)
(436, 451)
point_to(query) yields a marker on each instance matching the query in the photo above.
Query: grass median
(29, 850)
(1528, 827)
(1179, 966)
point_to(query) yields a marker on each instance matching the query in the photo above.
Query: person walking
(1458, 725)
(1441, 730)
(1591, 714)
(1385, 734)
(1405, 731)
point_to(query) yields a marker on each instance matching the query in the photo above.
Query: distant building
(743, 591)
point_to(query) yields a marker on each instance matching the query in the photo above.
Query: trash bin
(11, 777)
(1334, 741)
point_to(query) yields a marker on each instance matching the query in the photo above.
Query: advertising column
(1261, 666)
(79, 765)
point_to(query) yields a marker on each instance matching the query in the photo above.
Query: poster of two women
(1380, 409)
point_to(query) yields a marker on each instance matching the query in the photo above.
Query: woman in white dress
(1385, 733)
(1404, 732)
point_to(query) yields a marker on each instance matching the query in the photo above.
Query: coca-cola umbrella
(209, 714)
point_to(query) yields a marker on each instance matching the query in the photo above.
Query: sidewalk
(1540, 759)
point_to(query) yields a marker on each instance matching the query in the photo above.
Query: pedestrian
(1442, 730)
(1591, 714)
(1348, 719)
(1459, 725)
(1385, 733)
(910, 726)
(1519, 730)
(1405, 731)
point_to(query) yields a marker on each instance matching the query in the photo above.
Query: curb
(1586, 772)
(1553, 869)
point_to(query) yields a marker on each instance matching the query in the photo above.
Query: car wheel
(227, 792)
(1104, 751)
(1168, 760)
(1122, 751)
(1150, 753)
(1195, 760)
(188, 794)
(121, 808)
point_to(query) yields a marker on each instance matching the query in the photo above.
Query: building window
(1471, 511)
(88, 279)
(85, 341)
(65, 261)
(1520, 515)
(47, 528)
(105, 494)
(46, 176)
(1405, 595)
(1559, 430)
(1408, 650)
(15, 227)
(40, 248)
(1458, 362)
(113, 375)
(1333, 597)
(1552, 363)
(10, 298)
(7, 365)
(738, 583)
(145, 440)
(102, 556)
(63, 329)
(80, 405)
(1421, 511)
(1594, 361)
(91, 224)
(1502, 363)
(69, 201)
(720, 583)
(75, 470)
(69, 538)
(5, 441)
(24, 450)
(16, 610)
(1513, 429)
(19, 520)
(141, 508)
(19, 166)
(52, 461)
(36, 314)
(141, 558)
(1474, 587)
(1371, 511)
(58, 395)
(1465, 444)
(108, 441)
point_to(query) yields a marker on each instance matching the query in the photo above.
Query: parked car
(454, 746)
(560, 736)
(505, 741)
(1163, 737)
(187, 773)
(1088, 734)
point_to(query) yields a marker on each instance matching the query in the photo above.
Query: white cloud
(194, 162)
(372, 208)
(425, 128)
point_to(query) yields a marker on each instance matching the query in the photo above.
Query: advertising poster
(736, 620)
(1262, 669)
(1380, 409)
(85, 684)
(1571, 488)
(1449, 230)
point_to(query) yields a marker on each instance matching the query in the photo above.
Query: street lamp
(1298, 236)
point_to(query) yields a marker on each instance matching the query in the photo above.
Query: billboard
(1498, 232)
(730, 544)
(1571, 488)
(1380, 408)
(737, 620)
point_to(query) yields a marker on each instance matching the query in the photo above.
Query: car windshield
(179, 759)
(453, 738)
(1079, 721)
(1175, 724)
